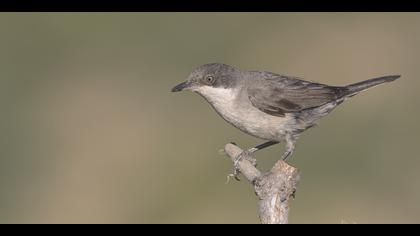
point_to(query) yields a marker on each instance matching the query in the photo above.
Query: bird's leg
(262, 146)
(290, 147)
(247, 155)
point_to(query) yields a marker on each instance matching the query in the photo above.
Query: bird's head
(209, 77)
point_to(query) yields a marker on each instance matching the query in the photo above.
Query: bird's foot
(244, 155)
(247, 156)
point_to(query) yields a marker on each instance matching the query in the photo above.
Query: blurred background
(91, 134)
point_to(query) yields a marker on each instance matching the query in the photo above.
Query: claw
(235, 175)
(237, 160)
(236, 171)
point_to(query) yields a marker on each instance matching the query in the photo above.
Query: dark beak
(180, 86)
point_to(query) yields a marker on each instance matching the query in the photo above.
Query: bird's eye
(209, 79)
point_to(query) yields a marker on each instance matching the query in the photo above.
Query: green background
(91, 134)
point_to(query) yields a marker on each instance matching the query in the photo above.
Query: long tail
(353, 89)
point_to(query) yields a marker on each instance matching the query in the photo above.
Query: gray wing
(279, 94)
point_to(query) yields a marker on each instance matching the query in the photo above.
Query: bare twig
(274, 188)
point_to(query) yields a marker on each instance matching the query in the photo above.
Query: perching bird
(269, 106)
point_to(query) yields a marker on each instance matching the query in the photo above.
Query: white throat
(218, 97)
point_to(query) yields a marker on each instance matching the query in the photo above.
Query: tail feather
(355, 88)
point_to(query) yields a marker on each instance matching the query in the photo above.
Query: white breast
(243, 114)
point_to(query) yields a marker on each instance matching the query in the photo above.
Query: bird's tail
(353, 89)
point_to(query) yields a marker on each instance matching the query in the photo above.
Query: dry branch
(274, 188)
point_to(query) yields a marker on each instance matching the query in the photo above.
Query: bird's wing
(279, 94)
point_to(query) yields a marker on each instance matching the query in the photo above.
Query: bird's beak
(181, 86)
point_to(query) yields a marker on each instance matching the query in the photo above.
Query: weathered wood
(274, 188)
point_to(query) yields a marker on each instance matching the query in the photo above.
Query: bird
(273, 107)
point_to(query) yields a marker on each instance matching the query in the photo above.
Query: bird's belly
(255, 122)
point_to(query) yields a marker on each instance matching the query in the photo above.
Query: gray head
(214, 75)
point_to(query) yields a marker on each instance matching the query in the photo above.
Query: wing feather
(279, 94)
